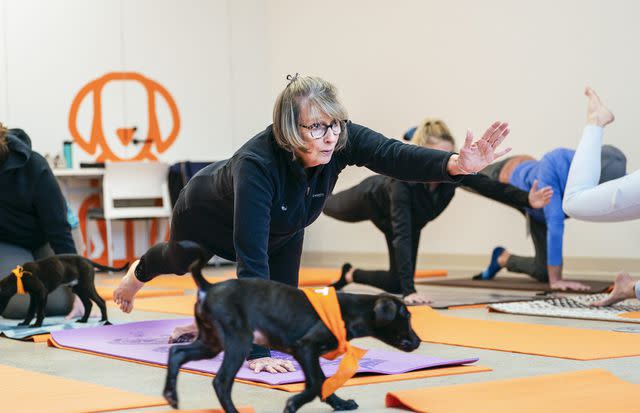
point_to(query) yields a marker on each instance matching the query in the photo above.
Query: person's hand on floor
(271, 365)
(416, 299)
(623, 288)
(184, 334)
(539, 198)
(564, 285)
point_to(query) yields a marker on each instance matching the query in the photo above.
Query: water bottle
(68, 153)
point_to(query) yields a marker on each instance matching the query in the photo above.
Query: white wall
(224, 62)
(56, 47)
(470, 63)
(204, 52)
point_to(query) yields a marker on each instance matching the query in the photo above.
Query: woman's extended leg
(615, 200)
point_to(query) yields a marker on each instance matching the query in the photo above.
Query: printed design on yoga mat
(147, 342)
(576, 306)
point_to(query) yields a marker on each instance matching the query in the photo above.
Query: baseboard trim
(577, 266)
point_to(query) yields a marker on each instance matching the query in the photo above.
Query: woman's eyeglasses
(319, 130)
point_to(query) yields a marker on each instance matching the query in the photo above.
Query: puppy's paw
(345, 405)
(24, 323)
(291, 407)
(107, 323)
(171, 397)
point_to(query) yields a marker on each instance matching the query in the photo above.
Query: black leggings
(353, 205)
(388, 280)
(535, 266)
(193, 224)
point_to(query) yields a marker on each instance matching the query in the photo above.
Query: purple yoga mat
(146, 341)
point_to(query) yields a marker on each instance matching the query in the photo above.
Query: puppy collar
(19, 272)
(325, 302)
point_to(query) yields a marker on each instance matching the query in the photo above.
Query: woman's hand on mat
(184, 334)
(539, 198)
(564, 285)
(474, 156)
(416, 299)
(271, 365)
(623, 289)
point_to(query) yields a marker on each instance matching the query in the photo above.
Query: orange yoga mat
(631, 314)
(383, 378)
(311, 276)
(27, 392)
(240, 410)
(107, 292)
(542, 340)
(586, 391)
(169, 281)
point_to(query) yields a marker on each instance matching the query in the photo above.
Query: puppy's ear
(384, 311)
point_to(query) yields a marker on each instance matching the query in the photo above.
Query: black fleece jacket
(401, 209)
(262, 197)
(33, 211)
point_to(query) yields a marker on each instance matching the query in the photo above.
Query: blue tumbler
(68, 153)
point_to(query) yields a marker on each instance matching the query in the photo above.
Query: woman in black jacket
(254, 207)
(33, 217)
(401, 209)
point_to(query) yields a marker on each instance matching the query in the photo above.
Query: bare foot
(349, 275)
(125, 293)
(623, 288)
(77, 310)
(184, 334)
(503, 258)
(597, 113)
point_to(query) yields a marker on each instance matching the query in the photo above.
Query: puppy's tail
(198, 258)
(196, 272)
(107, 268)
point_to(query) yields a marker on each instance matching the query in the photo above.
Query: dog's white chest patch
(259, 338)
(72, 283)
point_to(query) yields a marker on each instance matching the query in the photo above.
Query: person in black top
(254, 207)
(401, 209)
(33, 217)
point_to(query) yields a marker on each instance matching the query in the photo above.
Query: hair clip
(292, 78)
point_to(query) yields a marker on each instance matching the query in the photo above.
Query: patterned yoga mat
(575, 306)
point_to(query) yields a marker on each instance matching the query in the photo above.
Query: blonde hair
(4, 144)
(432, 131)
(320, 96)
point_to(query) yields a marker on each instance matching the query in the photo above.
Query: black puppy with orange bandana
(41, 277)
(232, 315)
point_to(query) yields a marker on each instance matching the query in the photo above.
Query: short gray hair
(320, 96)
(4, 144)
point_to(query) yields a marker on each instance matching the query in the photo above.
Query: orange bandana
(325, 302)
(19, 272)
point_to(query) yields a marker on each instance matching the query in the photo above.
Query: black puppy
(234, 314)
(45, 275)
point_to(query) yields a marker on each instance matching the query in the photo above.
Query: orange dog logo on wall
(116, 144)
